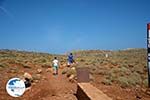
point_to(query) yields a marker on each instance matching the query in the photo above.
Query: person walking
(70, 59)
(55, 66)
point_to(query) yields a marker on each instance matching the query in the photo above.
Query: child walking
(55, 66)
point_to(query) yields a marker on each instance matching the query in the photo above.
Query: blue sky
(58, 26)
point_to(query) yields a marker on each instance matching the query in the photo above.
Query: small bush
(124, 69)
(82, 60)
(134, 79)
(112, 77)
(131, 81)
(114, 63)
(71, 72)
(26, 66)
(139, 69)
(123, 81)
(36, 77)
(65, 70)
(114, 70)
(43, 61)
(3, 65)
(102, 72)
(107, 82)
(14, 70)
(46, 65)
(145, 83)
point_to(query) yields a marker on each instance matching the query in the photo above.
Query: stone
(39, 70)
(91, 77)
(73, 68)
(49, 70)
(128, 90)
(105, 91)
(13, 71)
(43, 78)
(27, 75)
(138, 97)
(143, 90)
(38, 76)
(36, 81)
(27, 89)
(71, 78)
(119, 98)
(148, 92)
(33, 84)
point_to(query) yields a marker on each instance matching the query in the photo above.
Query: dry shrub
(123, 81)
(46, 65)
(145, 83)
(107, 82)
(71, 72)
(65, 70)
(36, 77)
(135, 79)
(3, 65)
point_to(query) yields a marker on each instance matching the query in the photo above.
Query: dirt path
(48, 88)
(52, 88)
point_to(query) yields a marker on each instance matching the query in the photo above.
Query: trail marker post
(148, 53)
(83, 75)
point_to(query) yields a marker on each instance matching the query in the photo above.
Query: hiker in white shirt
(55, 65)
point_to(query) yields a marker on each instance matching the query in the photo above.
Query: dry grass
(124, 67)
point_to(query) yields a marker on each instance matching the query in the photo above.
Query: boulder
(73, 68)
(91, 77)
(71, 78)
(27, 75)
(49, 70)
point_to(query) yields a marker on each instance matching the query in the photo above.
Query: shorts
(55, 67)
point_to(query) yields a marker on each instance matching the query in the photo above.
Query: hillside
(121, 75)
(44, 86)
(127, 65)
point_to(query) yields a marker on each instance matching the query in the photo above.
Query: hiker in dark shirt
(70, 59)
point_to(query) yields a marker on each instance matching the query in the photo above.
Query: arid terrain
(122, 74)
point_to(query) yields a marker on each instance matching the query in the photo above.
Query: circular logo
(15, 87)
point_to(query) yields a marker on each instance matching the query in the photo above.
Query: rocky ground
(46, 86)
(122, 76)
